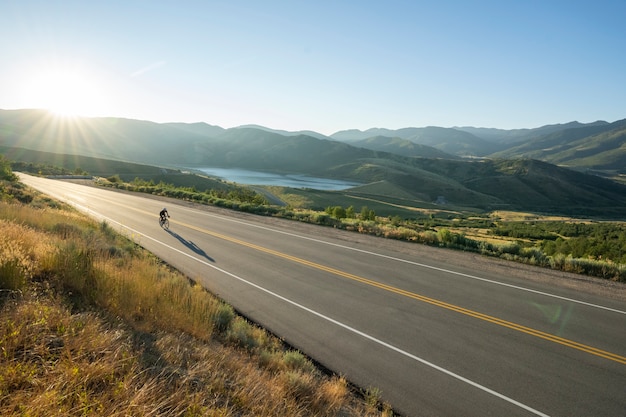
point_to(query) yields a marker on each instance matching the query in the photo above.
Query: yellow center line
(504, 323)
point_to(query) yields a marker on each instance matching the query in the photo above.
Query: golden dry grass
(94, 326)
(518, 216)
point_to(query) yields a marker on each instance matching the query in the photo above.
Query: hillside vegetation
(584, 247)
(597, 147)
(385, 209)
(93, 325)
(523, 183)
(448, 140)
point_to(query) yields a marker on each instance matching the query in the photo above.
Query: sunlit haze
(65, 91)
(323, 66)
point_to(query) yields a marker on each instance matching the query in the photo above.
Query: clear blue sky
(318, 65)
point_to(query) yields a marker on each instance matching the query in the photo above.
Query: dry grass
(91, 325)
(516, 216)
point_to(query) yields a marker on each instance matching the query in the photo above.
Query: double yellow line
(530, 331)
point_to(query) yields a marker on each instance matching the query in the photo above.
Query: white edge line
(331, 320)
(517, 287)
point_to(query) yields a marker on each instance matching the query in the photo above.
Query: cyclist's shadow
(190, 245)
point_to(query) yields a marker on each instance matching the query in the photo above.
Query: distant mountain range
(545, 168)
(598, 145)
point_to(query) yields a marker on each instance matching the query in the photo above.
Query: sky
(318, 65)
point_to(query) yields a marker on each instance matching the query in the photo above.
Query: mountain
(265, 150)
(285, 132)
(448, 140)
(529, 182)
(513, 136)
(105, 137)
(477, 142)
(202, 129)
(479, 183)
(598, 146)
(401, 147)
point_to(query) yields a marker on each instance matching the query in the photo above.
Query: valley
(467, 168)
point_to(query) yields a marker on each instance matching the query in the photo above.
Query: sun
(66, 92)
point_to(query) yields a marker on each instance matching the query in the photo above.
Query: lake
(244, 176)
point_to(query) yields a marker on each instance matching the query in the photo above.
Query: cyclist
(163, 214)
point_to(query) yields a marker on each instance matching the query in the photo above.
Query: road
(437, 332)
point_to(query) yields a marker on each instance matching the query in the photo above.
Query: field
(388, 204)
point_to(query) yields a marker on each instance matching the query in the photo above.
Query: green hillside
(402, 147)
(111, 138)
(600, 147)
(481, 184)
(27, 160)
(448, 140)
(511, 137)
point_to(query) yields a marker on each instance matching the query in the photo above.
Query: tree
(6, 173)
(367, 214)
(337, 212)
(340, 212)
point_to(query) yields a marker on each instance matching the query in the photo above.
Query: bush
(223, 317)
(6, 173)
(534, 256)
(336, 212)
(296, 361)
(242, 334)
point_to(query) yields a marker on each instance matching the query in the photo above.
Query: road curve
(438, 332)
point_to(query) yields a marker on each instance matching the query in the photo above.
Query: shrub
(534, 256)
(296, 361)
(299, 385)
(242, 334)
(223, 317)
(6, 173)
(336, 212)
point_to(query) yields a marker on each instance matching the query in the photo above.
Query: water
(243, 176)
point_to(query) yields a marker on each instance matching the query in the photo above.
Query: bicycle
(164, 222)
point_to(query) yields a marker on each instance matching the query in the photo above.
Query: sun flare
(66, 92)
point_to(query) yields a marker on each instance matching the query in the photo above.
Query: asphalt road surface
(437, 332)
